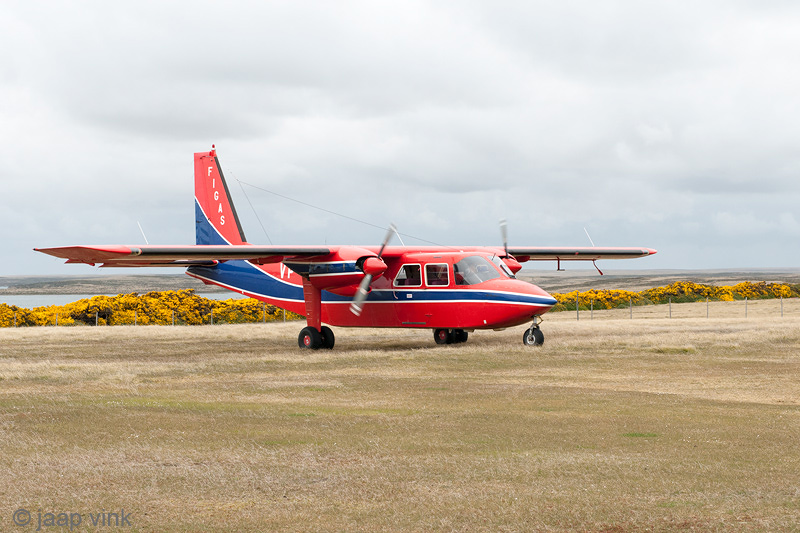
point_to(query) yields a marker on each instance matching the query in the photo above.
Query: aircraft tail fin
(216, 221)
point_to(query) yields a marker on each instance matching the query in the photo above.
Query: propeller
(510, 262)
(504, 233)
(371, 267)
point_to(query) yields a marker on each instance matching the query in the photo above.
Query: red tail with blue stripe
(216, 221)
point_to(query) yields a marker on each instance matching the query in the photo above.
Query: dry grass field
(685, 424)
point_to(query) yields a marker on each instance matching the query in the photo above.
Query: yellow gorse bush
(160, 307)
(677, 292)
(157, 307)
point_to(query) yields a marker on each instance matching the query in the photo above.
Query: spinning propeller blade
(504, 233)
(357, 305)
(361, 294)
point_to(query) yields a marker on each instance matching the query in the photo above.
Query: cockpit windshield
(473, 270)
(503, 267)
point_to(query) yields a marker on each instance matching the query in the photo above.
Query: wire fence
(746, 308)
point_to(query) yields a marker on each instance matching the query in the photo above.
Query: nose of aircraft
(527, 294)
(542, 296)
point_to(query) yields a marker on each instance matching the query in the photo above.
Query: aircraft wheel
(442, 336)
(309, 338)
(533, 337)
(327, 338)
(460, 335)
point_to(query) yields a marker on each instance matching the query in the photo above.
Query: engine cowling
(372, 265)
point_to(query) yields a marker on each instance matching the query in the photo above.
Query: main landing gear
(533, 336)
(450, 336)
(314, 340)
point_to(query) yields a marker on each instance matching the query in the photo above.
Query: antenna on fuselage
(590, 238)
(143, 235)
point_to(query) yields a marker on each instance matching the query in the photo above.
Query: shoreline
(550, 280)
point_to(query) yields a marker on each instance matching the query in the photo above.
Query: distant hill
(550, 280)
(102, 284)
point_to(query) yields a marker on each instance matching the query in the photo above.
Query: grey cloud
(658, 125)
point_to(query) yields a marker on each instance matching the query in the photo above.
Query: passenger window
(437, 274)
(409, 276)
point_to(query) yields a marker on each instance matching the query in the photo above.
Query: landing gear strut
(314, 336)
(450, 336)
(533, 336)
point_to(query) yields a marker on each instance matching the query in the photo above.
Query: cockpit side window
(474, 269)
(437, 274)
(409, 276)
(503, 267)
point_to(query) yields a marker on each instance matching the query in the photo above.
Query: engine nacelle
(512, 264)
(339, 273)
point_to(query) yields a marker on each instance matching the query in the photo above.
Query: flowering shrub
(678, 292)
(603, 299)
(155, 307)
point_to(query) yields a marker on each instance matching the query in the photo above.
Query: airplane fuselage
(418, 290)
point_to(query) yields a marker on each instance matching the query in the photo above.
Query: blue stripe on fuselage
(243, 276)
(458, 295)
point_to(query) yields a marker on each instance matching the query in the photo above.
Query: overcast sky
(670, 125)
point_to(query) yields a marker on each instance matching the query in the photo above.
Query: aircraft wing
(179, 256)
(588, 253)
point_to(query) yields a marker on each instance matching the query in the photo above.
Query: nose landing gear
(533, 336)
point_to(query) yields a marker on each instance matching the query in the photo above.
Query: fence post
(263, 313)
(173, 317)
(591, 311)
(95, 318)
(212, 317)
(745, 306)
(134, 317)
(15, 316)
(284, 315)
(577, 308)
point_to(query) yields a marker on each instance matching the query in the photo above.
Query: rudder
(216, 221)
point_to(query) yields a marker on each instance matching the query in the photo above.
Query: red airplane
(451, 290)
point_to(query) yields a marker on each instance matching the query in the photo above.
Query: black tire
(328, 339)
(309, 338)
(533, 337)
(460, 335)
(442, 336)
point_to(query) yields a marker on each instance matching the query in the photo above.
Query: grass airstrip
(688, 423)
